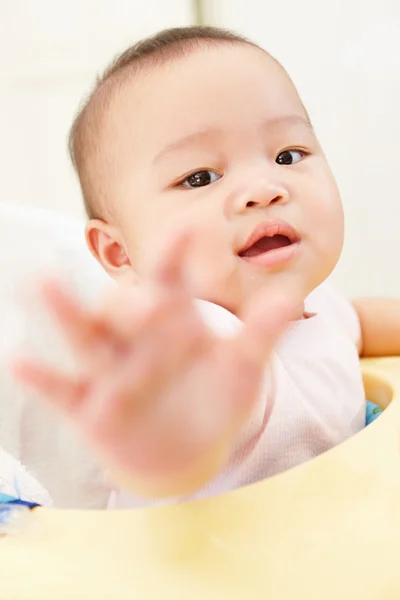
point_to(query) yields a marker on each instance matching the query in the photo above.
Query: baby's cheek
(327, 240)
(334, 227)
(324, 216)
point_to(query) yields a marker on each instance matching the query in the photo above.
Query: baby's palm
(160, 397)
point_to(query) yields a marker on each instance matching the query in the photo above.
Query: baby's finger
(83, 331)
(130, 310)
(265, 320)
(164, 358)
(245, 358)
(168, 265)
(53, 387)
(186, 260)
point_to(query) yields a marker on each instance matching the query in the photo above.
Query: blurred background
(343, 55)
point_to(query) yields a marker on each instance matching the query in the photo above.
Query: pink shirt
(313, 397)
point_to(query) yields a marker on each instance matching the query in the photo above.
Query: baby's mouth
(266, 244)
(271, 244)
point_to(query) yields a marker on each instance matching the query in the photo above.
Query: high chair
(326, 530)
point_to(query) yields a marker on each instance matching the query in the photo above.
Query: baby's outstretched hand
(158, 396)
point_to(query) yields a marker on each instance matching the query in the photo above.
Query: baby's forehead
(203, 87)
(220, 65)
(144, 107)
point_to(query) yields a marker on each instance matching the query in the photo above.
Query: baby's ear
(107, 246)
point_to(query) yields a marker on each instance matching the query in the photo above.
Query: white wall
(50, 54)
(344, 56)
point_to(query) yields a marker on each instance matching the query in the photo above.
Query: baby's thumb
(265, 320)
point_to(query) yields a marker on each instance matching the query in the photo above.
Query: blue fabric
(8, 507)
(373, 412)
(6, 500)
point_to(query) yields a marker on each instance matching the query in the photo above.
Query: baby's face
(220, 139)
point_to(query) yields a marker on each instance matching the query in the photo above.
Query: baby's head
(197, 126)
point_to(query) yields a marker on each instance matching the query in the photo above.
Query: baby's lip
(270, 229)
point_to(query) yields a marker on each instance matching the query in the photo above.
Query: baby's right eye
(200, 179)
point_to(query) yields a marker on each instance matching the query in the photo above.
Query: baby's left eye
(200, 179)
(290, 157)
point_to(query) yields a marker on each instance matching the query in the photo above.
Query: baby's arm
(380, 326)
(159, 396)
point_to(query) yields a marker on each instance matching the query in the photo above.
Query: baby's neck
(298, 314)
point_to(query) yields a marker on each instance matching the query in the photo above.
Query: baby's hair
(153, 51)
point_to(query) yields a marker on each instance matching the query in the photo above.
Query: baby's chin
(292, 282)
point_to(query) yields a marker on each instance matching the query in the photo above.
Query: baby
(222, 357)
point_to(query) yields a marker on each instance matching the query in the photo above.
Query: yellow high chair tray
(327, 530)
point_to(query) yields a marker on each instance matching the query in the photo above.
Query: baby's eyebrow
(289, 120)
(208, 135)
(187, 141)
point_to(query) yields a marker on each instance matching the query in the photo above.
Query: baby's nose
(261, 196)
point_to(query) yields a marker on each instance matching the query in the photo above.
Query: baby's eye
(200, 179)
(290, 157)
